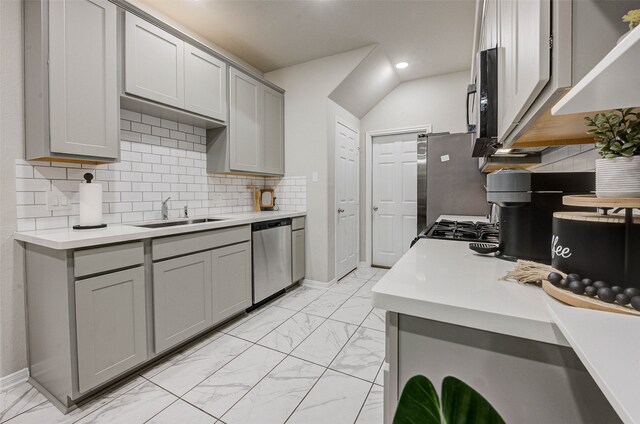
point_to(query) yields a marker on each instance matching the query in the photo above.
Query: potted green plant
(617, 135)
(419, 404)
(633, 18)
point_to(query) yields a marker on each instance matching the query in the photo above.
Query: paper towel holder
(88, 177)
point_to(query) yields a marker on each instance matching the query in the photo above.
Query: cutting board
(586, 302)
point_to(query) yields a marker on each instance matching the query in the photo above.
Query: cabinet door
(154, 63)
(244, 133)
(181, 298)
(111, 325)
(297, 255)
(525, 28)
(205, 84)
(489, 25)
(272, 113)
(83, 103)
(231, 280)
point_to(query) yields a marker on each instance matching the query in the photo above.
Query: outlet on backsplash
(58, 201)
(159, 159)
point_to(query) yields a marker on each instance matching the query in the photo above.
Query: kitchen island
(448, 313)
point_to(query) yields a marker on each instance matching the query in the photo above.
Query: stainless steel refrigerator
(449, 181)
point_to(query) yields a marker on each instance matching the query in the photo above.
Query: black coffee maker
(527, 201)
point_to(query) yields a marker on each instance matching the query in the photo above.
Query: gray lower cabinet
(297, 254)
(110, 325)
(511, 372)
(231, 279)
(182, 298)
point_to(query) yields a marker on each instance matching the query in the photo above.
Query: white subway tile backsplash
(151, 120)
(573, 158)
(159, 159)
(169, 124)
(161, 132)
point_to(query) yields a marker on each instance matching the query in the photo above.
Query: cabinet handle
(375, 209)
(340, 210)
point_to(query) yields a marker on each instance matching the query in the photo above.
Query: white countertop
(608, 346)
(68, 238)
(444, 280)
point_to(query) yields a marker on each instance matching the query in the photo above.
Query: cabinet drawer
(297, 223)
(168, 247)
(101, 259)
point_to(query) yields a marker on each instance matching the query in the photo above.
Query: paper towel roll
(90, 204)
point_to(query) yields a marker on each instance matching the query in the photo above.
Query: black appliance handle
(471, 89)
(484, 248)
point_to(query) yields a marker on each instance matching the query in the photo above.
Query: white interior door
(346, 200)
(394, 198)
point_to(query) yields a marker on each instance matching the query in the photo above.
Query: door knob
(375, 208)
(340, 210)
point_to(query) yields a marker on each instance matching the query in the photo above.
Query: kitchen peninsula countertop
(68, 238)
(445, 281)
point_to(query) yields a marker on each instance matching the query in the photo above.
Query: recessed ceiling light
(401, 65)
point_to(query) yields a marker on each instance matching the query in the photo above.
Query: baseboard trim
(12, 380)
(317, 284)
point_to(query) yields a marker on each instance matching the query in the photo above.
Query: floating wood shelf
(551, 130)
(591, 201)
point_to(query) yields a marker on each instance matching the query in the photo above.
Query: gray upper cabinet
(111, 325)
(231, 280)
(71, 81)
(273, 131)
(253, 142)
(205, 84)
(244, 130)
(154, 63)
(163, 68)
(182, 298)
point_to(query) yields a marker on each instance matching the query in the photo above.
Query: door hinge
(551, 42)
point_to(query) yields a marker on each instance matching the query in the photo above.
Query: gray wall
(13, 351)
(307, 146)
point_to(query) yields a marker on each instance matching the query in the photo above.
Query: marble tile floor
(310, 356)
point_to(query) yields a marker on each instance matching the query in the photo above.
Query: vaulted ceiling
(435, 37)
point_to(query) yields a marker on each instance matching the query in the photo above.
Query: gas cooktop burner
(463, 231)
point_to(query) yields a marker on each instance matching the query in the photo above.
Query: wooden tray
(565, 296)
(591, 201)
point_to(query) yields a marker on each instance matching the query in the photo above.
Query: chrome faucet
(165, 209)
(186, 212)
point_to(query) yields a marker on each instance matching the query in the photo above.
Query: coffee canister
(593, 245)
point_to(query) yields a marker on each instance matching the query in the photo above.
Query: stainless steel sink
(180, 222)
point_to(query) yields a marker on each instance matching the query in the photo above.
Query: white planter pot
(619, 177)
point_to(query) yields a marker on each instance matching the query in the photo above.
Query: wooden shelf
(591, 201)
(551, 130)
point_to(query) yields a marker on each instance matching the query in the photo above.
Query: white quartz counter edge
(608, 346)
(68, 238)
(445, 281)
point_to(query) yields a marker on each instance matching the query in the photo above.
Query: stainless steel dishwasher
(271, 244)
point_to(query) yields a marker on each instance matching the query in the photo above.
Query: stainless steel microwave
(485, 104)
